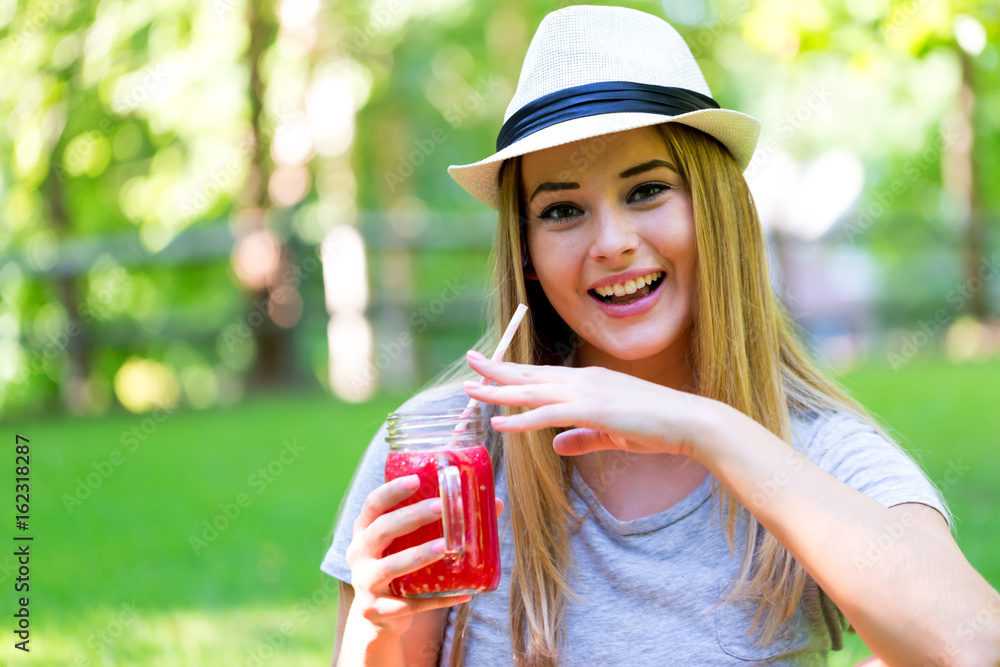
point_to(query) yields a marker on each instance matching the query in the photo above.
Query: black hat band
(594, 99)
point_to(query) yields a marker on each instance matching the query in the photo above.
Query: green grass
(948, 417)
(129, 541)
(253, 594)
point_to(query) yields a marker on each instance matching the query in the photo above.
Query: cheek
(553, 258)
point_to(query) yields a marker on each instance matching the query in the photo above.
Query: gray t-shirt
(648, 588)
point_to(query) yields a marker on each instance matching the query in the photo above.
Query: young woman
(681, 485)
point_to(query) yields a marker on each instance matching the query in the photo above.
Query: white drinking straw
(508, 336)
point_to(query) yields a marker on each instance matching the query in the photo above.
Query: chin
(635, 350)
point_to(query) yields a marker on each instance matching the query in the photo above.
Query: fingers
(406, 561)
(555, 414)
(403, 521)
(505, 372)
(499, 504)
(584, 440)
(385, 497)
(528, 395)
(387, 607)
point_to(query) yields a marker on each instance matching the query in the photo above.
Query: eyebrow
(631, 171)
(646, 166)
(549, 187)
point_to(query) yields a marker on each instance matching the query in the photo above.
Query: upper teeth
(629, 286)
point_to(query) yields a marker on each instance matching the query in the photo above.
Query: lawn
(127, 567)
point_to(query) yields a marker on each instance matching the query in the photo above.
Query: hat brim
(736, 131)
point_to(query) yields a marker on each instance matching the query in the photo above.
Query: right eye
(560, 211)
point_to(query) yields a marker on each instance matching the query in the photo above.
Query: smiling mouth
(621, 295)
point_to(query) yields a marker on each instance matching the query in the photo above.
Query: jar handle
(452, 508)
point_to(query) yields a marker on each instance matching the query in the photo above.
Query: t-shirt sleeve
(369, 475)
(858, 455)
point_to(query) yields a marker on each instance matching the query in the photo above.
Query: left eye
(646, 191)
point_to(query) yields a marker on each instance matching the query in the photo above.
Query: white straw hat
(593, 70)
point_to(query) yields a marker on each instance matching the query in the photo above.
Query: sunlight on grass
(288, 635)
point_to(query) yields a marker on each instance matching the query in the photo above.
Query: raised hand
(604, 409)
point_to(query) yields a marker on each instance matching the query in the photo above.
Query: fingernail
(498, 420)
(438, 546)
(472, 384)
(435, 505)
(472, 354)
(411, 482)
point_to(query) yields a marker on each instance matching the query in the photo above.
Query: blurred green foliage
(141, 136)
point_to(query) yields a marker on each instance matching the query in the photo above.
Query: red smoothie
(476, 570)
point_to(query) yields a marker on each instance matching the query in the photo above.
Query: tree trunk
(77, 343)
(274, 364)
(974, 237)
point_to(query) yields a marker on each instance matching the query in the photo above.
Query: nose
(615, 235)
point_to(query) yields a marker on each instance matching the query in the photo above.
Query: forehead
(594, 157)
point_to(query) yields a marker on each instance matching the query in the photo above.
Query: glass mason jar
(446, 450)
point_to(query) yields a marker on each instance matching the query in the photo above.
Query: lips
(629, 290)
(628, 305)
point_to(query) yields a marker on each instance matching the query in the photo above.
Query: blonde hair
(744, 352)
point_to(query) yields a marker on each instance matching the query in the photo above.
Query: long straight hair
(744, 352)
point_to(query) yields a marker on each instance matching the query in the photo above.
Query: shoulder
(816, 432)
(444, 398)
(438, 397)
(864, 456)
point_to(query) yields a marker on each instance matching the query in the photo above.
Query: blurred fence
(427, 276)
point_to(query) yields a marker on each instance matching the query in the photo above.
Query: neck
(669, 367)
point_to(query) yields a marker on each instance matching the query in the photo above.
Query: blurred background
(229, 246)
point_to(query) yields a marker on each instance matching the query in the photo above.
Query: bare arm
(345, 596)
(421, 644)
(918, 603)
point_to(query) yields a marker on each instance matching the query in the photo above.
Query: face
(601, 226)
